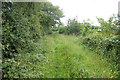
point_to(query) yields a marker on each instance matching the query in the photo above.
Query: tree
(73, 27)
(52, 15)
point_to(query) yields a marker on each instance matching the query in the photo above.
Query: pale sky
(85, 9)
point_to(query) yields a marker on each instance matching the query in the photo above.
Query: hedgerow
(23, 25)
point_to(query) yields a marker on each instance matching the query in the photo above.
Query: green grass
(68, 59)
(61, 56)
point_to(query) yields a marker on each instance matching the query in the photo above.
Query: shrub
(108, 47)
(62, 30)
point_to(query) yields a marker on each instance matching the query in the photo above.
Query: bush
(73, 27)
(108, 47)
(62, 30)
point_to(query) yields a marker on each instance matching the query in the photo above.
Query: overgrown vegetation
(34, 47)
(62, 57)
(103, 39)
(23, 24)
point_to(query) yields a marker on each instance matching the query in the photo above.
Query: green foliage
(28, 52)
(109, 27)
(86, 28)
(61, 57)
(64, 58)
(73, 27)
(62, 30)
(106, 42)
(96, 39)
(54, 29)
(23, 24)
(105, 46)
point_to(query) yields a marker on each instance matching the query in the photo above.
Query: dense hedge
(108, 47)
(24, 23)
(106, 42)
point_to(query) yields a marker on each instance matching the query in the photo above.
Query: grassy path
(67, 59)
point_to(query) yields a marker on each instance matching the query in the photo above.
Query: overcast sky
(85, 9)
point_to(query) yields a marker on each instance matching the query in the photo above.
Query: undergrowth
(60, 56)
